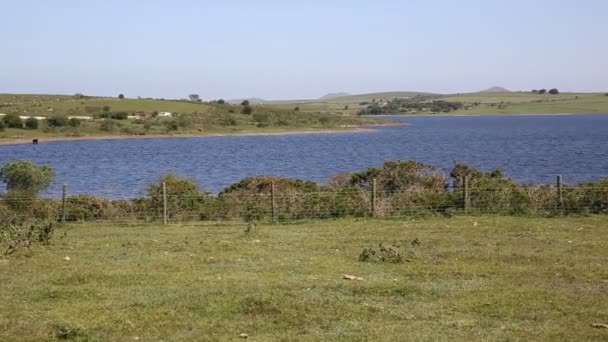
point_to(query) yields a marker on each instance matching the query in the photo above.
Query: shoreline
(28, 141)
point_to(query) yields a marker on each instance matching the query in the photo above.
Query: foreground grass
(471, 278)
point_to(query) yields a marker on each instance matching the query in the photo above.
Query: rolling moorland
(481, 103)
(82, 116)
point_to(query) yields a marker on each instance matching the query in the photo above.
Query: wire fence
(275, 205)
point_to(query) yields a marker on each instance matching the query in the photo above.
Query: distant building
(81, 117)
(165, 115)
(23, 117)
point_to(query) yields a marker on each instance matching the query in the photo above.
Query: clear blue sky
(304, 49)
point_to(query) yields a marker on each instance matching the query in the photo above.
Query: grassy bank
(469, 278)
(112, 117)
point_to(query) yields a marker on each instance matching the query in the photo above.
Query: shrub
(553, 91)
(119, 116)
(184, 199)
(108, 125)
(381, 253)
(17, 236)
(247, 110)
(12, 121)
(1, 126)
(74, 122)
(58, 121)
(31, 123)
(27, 177)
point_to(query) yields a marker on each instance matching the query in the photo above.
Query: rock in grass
(351, 277)
(243, 335)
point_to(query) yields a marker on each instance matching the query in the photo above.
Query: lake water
(528, 148)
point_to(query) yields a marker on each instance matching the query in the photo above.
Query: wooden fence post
(165, 219)
(373, 197)
(560, 192)
(273, 202)
(64, 198)
(466, 195)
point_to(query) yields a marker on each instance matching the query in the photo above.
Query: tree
(247, 109)
(27, 177)
(31, 123)
(553, 91)
(194, 98)
(297, 109)
(13, 121)
(245, 103)
(1, 126)
(74, 122)
(346, 107)
(121, 96)
(221, 101)
(542, 91)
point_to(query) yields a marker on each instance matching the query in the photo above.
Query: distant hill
(252, 100)
(334, 95)
(496, 90)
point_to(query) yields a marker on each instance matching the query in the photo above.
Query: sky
(300, 49)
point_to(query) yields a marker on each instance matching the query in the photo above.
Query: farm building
(165, 114)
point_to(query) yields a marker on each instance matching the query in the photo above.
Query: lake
(528, 148)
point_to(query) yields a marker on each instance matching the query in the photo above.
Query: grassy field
(488, 103)
(467, 278)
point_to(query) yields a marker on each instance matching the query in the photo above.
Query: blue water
(528, 148)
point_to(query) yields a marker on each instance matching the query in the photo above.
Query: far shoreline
(42, 140)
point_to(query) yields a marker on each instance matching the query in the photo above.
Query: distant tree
(534, 91)
(542, 91)
(247, 109)
(194, 97)
(245, 103)
(13, 121)
(221, 101)
(1, 126)
(553, 91)
(80, 96)
(31, 123)
(297, 109)
(58, 121)
(346, 107)
(120, 116)
(26, 177)
(121, 96)
(74, 122)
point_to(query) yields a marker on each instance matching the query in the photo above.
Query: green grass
(471, 278)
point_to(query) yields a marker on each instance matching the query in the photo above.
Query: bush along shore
(397, 188)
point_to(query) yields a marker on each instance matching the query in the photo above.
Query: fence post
(373, 198)
(273, 202)
(560, 193)
(165, 220)
(466, 195)
(64, 198)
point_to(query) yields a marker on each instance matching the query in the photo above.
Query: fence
(275, 205)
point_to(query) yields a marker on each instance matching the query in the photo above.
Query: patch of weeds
(251, 227)
(256, 306)
(69, 333)
(388, 253)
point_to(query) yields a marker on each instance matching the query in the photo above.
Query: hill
(333, 96)
(496, 90)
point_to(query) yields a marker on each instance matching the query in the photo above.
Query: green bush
(58, 121)
(31, 123)
(12, 121)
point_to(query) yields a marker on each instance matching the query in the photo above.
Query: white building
(165, 115)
